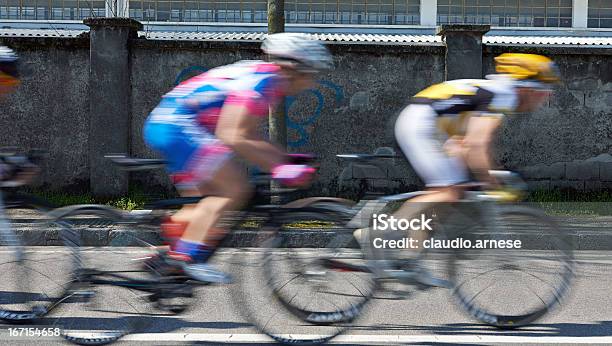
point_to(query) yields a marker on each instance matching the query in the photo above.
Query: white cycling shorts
(418, 137)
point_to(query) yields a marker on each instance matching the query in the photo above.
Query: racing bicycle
(502, 287)
(151, 292)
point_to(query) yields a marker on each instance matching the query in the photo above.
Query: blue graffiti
(188, 72)
(300, 127)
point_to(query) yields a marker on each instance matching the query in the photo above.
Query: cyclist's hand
(293, 175)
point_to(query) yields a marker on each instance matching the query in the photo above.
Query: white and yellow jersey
(456, 101)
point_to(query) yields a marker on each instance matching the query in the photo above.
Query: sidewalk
(587, 233)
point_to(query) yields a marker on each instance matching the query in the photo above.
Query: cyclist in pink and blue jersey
(203, 122)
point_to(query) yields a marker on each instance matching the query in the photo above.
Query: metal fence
(525, 13)
(600, 14)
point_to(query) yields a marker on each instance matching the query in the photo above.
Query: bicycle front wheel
(509, 288)
(313, 292)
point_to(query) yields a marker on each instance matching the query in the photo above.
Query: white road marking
(378, 339)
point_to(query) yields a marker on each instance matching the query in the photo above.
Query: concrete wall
(50, 109)
(352, 109)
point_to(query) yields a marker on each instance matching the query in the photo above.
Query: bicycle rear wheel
(112, 294)
(509, 288)
(38, 257)
(312, 293)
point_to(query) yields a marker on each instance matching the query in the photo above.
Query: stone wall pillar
(110, 100)
(463, 50)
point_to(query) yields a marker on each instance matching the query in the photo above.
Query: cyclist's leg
(198, 164)
(417, 135)
(228, 190)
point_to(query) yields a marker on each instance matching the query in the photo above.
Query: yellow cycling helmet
(528, 66)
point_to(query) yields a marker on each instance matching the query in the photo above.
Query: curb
(311, 238)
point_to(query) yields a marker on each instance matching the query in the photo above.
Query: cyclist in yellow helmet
(447, 129)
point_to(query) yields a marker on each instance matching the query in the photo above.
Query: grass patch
(135, 199)
(310, 224)
(568, 196)
(573, 203)
(556, 202)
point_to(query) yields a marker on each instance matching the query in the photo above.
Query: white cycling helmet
(298, 51)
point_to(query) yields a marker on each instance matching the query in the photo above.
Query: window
(378, 12)
(230, 11)
(526, 13)
(51, 9)
(600, 14)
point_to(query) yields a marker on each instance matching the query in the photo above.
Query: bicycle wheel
(509, 288)
(312, 293)
(35, 278)
(113, 294)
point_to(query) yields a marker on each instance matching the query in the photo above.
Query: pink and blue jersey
(182, 126)
(254, 84)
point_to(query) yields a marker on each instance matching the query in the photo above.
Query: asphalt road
(224, 314)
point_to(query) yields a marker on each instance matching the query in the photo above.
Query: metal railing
(514, 13)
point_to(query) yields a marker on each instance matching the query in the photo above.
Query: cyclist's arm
(477, 141)
(237, 128)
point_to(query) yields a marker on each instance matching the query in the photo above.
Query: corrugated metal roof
(204, 36)
(384, 38)
(40, 32)
(258, 36)
(331, 37)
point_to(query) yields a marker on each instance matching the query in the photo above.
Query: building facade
(593, 14)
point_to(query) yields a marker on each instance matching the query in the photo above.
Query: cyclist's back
(453, 102)
(201, 98)
(186, 118)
